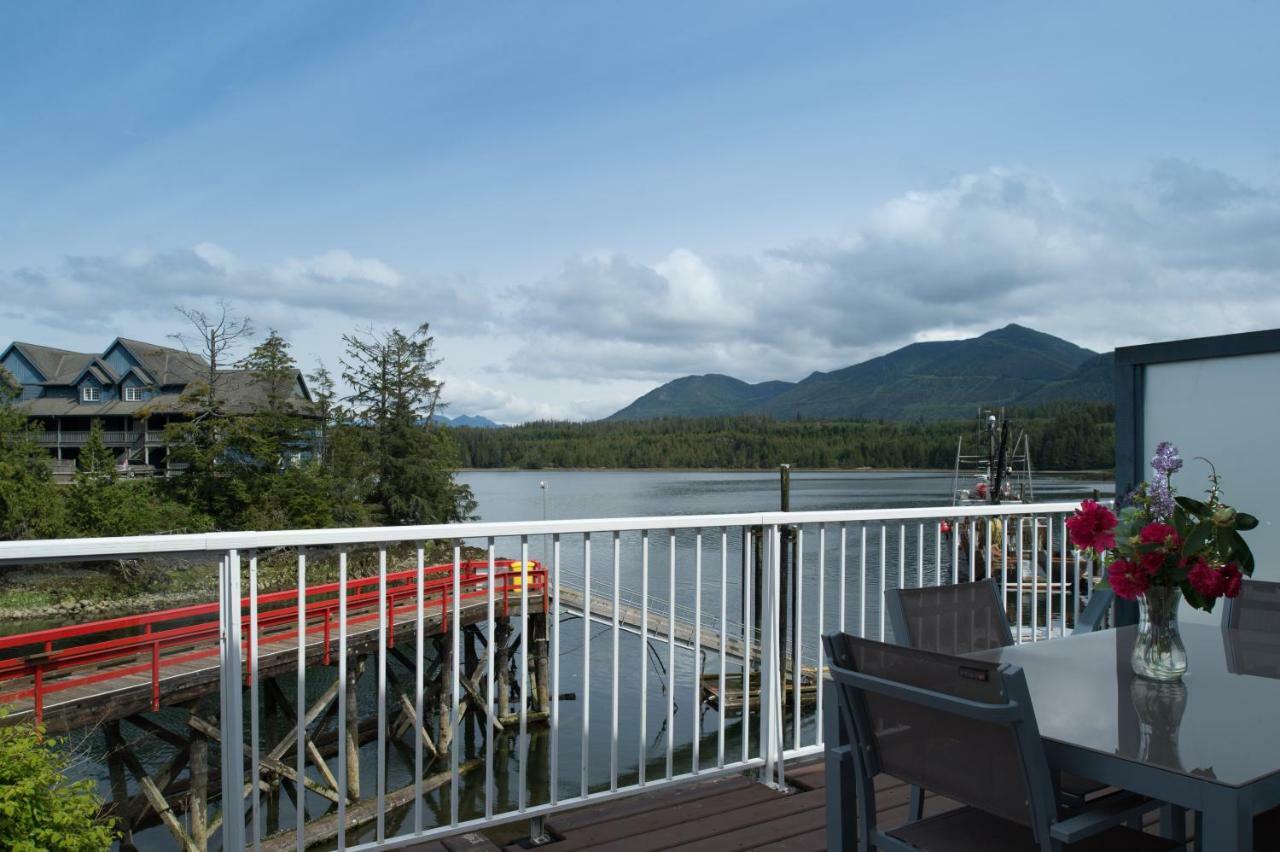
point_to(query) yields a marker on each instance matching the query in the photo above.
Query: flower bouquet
(1161, 548)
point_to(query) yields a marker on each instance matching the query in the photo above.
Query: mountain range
(474, 421)
(933, 380)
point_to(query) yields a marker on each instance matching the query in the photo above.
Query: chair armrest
(1101, 814)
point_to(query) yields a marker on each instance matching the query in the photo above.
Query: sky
(586, 200)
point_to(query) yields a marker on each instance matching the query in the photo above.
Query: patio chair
(1095, 612)
(965, 729)
(961, 619)
(1257, 607)
(957, 619)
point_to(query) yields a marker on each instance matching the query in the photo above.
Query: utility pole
(542, 484)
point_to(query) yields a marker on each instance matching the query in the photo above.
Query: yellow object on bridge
(519, 571)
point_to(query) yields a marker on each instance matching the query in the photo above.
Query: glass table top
(1221, 722)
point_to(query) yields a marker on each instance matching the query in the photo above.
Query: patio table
(1209, 743)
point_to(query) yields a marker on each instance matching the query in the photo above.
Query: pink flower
(1092, 527)
(1127, 579)
(1231, 579)
(1162, 534)
(1206, 579)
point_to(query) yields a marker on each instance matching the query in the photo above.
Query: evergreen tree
(97, 464)
(30, 503)
(394, 397)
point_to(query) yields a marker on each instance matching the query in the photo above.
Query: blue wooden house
(134, 388)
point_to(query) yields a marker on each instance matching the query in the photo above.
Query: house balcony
(111, 438)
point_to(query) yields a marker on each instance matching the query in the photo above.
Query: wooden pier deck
(630, 619)
(129, 684)
(187, 672)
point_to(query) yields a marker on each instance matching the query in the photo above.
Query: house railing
(110, 437)
(653, 623)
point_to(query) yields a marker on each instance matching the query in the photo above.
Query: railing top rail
(970, 510)
(213, 544)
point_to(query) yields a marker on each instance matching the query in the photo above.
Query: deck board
(733, 813)
(727, 813)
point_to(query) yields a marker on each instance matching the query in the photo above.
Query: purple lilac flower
(1160, 496)
(1166, 461)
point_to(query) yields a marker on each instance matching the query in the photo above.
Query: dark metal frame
(1130, 390)
(1231, 607)
(901, 624)
(851, 751)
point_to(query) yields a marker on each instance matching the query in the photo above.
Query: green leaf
(1245, 522)
(1241, 553)
(1195, 507)
(1198, 539)
(1196, 599)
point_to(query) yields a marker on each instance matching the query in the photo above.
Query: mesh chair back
(1257, 607)
(955, 619)
(939, 748)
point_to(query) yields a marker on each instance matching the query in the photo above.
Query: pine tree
(394, 398)
(97, 464)
(30, 504)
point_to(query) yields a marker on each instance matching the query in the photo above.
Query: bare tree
(214, 338)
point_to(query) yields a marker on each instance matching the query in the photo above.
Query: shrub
(40, 809)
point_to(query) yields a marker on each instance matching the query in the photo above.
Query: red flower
(1152, 562)
(1127, 580)
(1092, 527)
(1206, 580)
(1231, 579)
(1162, 534)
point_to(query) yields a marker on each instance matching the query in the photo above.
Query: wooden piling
(198, 810)
(353, 730)
(119, 785)
(541, 661)
(502, 667)
(444, 726)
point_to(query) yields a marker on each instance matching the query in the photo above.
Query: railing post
(770, 680)
(232, 699)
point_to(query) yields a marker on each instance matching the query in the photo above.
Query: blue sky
(586, 199)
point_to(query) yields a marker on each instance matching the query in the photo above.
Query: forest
(1063, 436)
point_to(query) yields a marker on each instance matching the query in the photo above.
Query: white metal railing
(696, 576)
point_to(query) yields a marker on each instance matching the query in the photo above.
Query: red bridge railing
(53, 658)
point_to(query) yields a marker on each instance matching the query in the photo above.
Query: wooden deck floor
(728, 813)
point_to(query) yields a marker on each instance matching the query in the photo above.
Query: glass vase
(1158, 652)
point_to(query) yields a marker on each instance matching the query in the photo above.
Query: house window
(133, 394)
(90, 394)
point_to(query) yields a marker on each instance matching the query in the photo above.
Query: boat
(993, 469)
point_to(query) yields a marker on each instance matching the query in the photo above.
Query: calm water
(516, 496)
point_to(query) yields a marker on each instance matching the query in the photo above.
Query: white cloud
(1184, 251)
(337, 266)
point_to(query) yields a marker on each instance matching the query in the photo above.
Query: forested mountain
(1094, 379)
(935, 380)
(1064, 436)
(702, 396)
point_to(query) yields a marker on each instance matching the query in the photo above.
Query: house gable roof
(100, 370)
(167, 365)
(57, 366)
